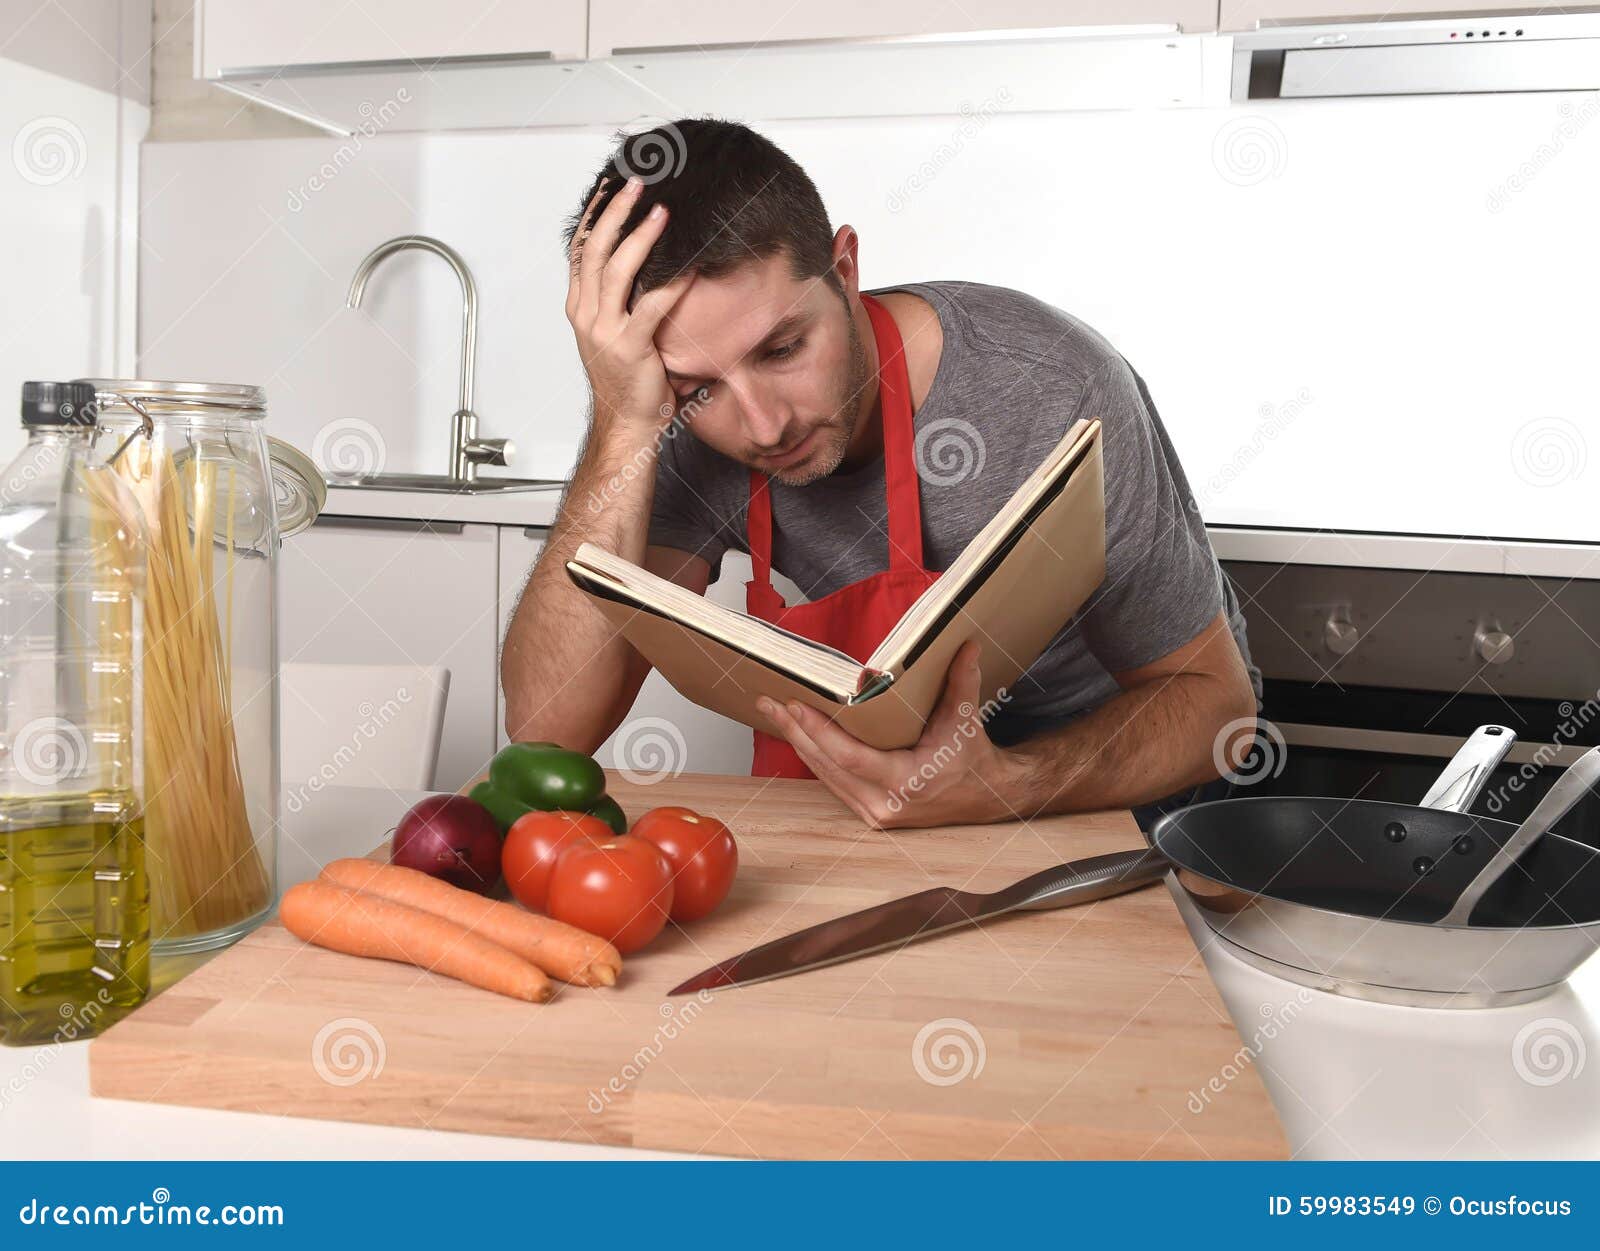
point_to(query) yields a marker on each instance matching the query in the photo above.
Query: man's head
(762, 348)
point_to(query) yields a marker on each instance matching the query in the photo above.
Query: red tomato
(533, 844)
(702, 853)
(620, 890)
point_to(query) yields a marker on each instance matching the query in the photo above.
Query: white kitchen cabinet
(416, 66)
(384, 591)
(936, 77)
(237, 36)
(664, 733)
(624, 27)
(519, 548)
(370, 590)
(412, 65)
(1249, 14)
(902, 58)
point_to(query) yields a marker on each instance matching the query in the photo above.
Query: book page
(933, 605)
(760, 640)
(1032, 584)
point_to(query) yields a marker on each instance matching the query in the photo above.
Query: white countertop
(1422, 552)
(504, 508)
(1350, 1080)
(1306, 547)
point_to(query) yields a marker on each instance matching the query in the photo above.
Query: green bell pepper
(545, 777)
(502, 808)
(609, 811)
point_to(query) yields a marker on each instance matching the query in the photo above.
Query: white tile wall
(73, 107)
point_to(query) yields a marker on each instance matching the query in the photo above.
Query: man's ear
(846, 265)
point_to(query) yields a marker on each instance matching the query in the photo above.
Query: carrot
(561, 950)
(365, 925)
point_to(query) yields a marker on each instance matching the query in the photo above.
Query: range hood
(1437, 56)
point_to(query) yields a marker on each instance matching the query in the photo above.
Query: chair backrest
(360, 725)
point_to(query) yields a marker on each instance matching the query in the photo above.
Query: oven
(1373, 677)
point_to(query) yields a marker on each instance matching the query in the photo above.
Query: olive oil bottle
(74, 898)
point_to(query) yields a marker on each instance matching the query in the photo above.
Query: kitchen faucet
(467, 450)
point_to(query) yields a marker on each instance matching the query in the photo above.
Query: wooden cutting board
(1084, 1032)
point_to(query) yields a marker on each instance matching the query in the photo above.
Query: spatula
(1569, 788)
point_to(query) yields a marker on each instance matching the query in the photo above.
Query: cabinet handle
(535, 532)
(402, 525)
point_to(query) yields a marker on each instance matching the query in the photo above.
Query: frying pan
(1351, 896)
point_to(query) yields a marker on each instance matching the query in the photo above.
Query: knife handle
(1095, 877)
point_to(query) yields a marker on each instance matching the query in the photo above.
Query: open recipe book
(1013, 588)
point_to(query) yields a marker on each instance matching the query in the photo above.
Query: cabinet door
(519, 548)
(663, 734)
(380, 591)
(620, 26)
(238, 35)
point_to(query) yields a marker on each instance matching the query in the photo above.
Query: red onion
(452, 838)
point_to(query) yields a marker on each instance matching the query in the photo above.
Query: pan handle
(1469, 770)
(1094, 877)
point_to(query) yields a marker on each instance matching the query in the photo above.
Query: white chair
(360, 725)
(374, 726)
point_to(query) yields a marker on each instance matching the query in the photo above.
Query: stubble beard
(839, 429)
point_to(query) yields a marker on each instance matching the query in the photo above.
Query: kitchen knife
(929, 912)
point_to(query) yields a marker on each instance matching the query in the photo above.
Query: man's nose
(766, 418)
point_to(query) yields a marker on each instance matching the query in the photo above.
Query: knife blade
(929, 912)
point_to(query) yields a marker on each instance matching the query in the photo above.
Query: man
(748, 394)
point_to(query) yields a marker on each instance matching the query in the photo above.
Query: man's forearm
(1142, 745)
(1156, 737)
(563, 669)
(559, 645)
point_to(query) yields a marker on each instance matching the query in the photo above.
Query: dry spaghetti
(206, 871)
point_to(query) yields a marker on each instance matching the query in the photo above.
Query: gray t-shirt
(1013, 374)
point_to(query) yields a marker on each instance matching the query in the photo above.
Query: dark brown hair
(733, 196)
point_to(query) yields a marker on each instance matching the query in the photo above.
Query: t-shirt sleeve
(1162, 584)
(680, 516)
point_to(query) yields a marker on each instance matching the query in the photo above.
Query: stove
(1373, 677)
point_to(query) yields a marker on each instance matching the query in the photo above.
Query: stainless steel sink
(443, 485)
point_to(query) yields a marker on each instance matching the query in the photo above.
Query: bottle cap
(58, 404)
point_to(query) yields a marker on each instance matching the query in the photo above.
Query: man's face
(768, 368)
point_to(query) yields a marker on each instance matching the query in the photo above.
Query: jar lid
(297, 487)
(236, 399)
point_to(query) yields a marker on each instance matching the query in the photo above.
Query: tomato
(703, 856)
(620, 889)
(534, 843)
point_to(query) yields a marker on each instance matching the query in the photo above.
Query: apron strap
(758, 529)
(900, 484)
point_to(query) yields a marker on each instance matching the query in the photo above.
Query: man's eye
(701, 393)
(785, 350)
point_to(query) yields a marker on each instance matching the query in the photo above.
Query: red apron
(855, 618)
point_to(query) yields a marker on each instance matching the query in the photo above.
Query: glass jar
(195, 457)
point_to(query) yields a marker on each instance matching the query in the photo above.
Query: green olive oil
(74, 898)
(74, 916)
